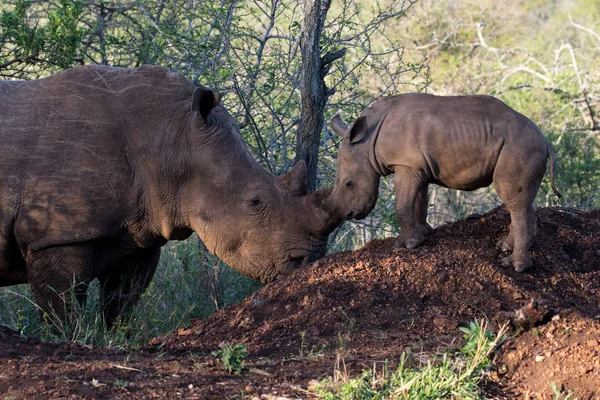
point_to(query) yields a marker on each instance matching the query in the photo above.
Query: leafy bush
(232, 357)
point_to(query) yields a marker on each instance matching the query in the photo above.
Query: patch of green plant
(306, 351)
(449, 375)
(121, 383)
(559, 393)
(232, 357)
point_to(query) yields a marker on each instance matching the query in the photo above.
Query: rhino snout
(357, 215)
(296, 260)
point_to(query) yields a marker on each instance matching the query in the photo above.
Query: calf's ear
(358, 131)
(294, 182)
(203, 101)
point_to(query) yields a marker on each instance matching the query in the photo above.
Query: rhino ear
(203, 101)
(294, 182)
(338, 126)
(358, 131)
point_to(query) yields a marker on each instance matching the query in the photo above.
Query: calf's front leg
(408, 185)
(421, 211)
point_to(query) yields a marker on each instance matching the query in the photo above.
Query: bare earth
(378, 301)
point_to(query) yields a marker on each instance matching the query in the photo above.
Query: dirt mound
(384, 291)
(378, 302)
(564, 352)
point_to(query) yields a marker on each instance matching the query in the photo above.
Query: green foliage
(578, 159)
(232, 357)
(121, 383)
(28, 45)
(477, 339)
(449, 375)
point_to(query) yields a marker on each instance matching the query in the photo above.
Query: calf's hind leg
(517, 185)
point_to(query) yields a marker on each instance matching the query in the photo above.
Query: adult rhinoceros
(101, 166)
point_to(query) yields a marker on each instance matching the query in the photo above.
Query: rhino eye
(349, 184)
(254, 202)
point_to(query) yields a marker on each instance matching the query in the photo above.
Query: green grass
(445, 376)
(188, 284)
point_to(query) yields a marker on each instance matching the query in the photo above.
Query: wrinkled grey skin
(459, 142)
(100, 167)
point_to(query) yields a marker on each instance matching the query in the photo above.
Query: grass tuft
(449, 375)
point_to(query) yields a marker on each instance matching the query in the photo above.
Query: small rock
(529, 315)
(556, 317)
(445, 323)
(586, 368)
(517, 296)
(539, 358)
(592, 343)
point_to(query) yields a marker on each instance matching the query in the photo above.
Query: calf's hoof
(424, 229)
(503, 245)
(519, 266)
(410, 241)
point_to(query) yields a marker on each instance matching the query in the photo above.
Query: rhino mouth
(356, 215)
(297, 260)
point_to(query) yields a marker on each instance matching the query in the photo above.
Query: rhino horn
(294, 182)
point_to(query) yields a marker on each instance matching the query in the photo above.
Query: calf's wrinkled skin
(101, 166)
(459, 142)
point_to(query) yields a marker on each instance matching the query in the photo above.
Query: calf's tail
(552, 158)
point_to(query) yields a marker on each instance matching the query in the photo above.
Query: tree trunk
(312, 89)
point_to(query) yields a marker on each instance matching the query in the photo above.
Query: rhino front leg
(408, 185)
(422, 204)
(123, 285)
(59, 276)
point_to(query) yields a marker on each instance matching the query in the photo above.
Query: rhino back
(456, 139)
(71, 150)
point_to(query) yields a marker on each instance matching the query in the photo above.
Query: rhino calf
(459, 142)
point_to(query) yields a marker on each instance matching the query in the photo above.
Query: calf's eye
(349, 184)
